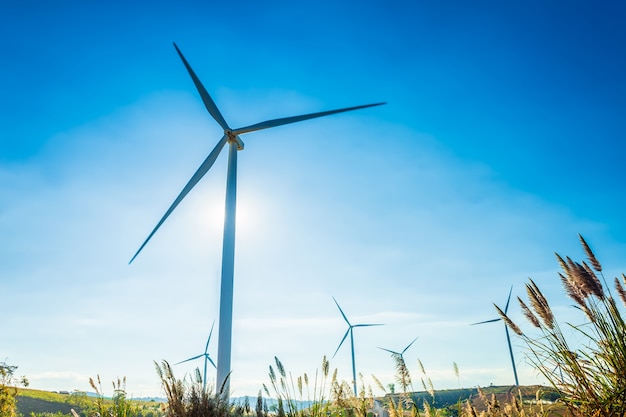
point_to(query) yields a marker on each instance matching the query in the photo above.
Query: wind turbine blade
(286, 120)
(209, 339)
(342, 340)
(206, 98)
(506, 308)
(390, 351)
(407, 348)
(367, 325)
(487, 321)
(342, 313)
(206, 165)
(190, 359)
(212, 363)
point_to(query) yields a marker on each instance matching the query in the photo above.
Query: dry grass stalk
(592, 258)
(572, 291)
(620, 290)
(529, 314)
(508, 321)
(540, 304)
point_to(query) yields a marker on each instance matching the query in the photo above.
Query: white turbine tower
(206, 356)
(351, 332)
(231, 137)
(506, 329)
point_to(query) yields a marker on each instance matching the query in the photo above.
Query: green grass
(31, 401)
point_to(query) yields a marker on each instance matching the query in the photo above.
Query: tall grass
(586, 363)
(323, 396)
(193, 399)
(118, 406)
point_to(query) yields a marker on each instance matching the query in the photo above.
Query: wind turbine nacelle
(234, 138)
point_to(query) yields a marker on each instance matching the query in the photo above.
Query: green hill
(39, 402)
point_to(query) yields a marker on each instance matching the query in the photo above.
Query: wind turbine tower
(351, 332)
(508, 338)
(232, 138)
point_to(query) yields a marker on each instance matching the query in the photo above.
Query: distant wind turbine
(399, 354)
(506, 329)
(351, 332)
(206, 356)
(231, 136)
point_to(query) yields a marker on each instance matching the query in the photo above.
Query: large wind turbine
(231, 136)
(351, 332)
(506, 329)
(206, 356)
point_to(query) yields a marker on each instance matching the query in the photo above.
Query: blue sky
(501, 140)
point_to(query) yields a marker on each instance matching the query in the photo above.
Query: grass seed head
(592, 258)
(540, 304)
(529, 314)
(509, 322)
(620, 290)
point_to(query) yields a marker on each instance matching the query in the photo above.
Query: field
(36, 402)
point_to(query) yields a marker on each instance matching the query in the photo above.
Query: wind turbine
(231, 136)
(400, 354)
(351, 332)
(506, 329)
(207, 358)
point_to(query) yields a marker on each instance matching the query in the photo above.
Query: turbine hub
(232, 138)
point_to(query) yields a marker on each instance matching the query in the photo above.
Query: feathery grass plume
(590, 255)
(620, 290)
(540, 304)
(572, 291)
(529, 314)
(470, 411)
(508, 321)
(280, 367)
(596, 284)
(562, 263)
(403, 377)
(585, 278)
(577, 279)
(421, 366)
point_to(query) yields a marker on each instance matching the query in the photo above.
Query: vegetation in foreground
(585, 363)
(586, 367)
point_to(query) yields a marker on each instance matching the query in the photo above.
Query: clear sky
(503, 138)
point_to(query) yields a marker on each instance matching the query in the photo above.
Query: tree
(8, 389)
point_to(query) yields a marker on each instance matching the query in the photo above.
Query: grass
(587, 363)
(45, 403)
(587, 378)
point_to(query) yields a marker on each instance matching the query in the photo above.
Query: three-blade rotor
(506, 309)
(350, 327)
(203, 355)
(400, 354)
(230, 135)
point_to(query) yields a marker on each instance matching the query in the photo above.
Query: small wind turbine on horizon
(230, 137)
(506, 329)
(351, 332)
(206, 356)
(400, 354)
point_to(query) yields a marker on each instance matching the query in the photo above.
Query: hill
(35, 401)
